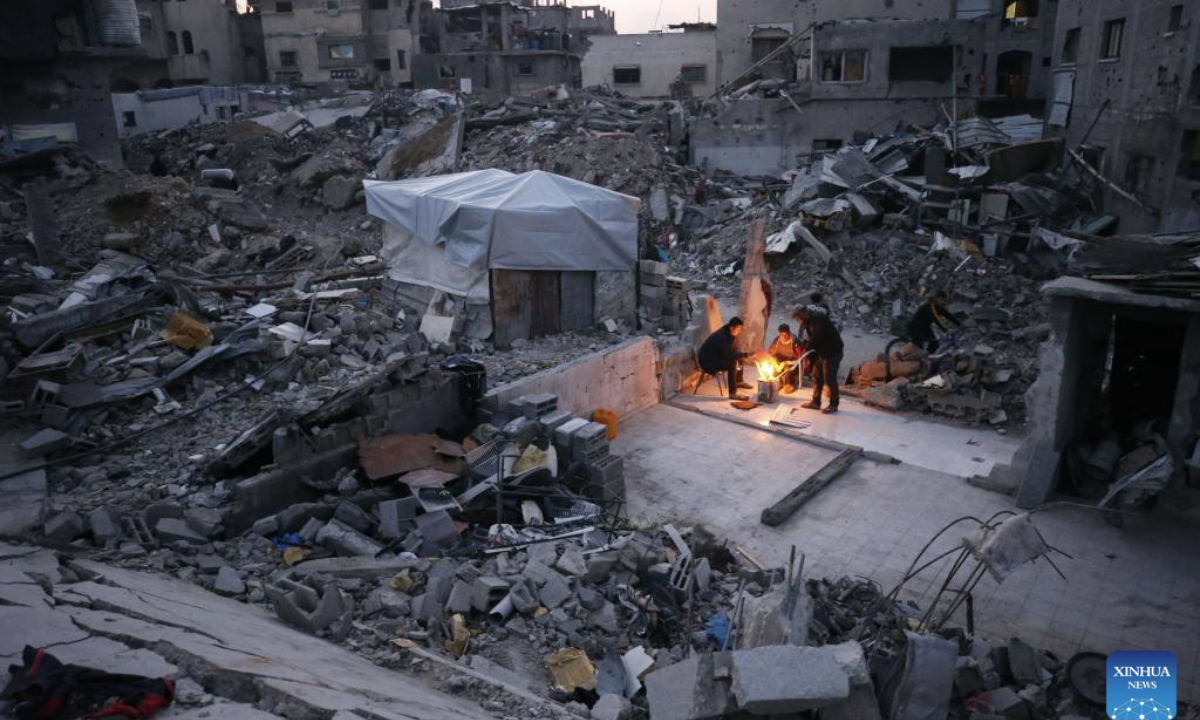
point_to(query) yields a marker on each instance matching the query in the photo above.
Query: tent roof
(529, 221)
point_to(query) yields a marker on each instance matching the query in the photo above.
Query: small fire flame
(769, 369)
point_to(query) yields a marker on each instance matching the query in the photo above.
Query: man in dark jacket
(827, 347)
(920, 328)
(718, 355)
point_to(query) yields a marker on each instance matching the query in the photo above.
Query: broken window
(1175, 20)
(401, 60)
(172, 44)
(1138, 171)
(589, 14)
(766, 41)
(287, 58)
(1189, 155)
(631, 75)
(934, 63)
(1020, 13)
(383, 64)
(448, 71)
(524, 68)
(220, 113)
(1114, 30)
(694, 73)
(283, 6)
(1070, 51)
(333, 5)
(188, 48)
(844, 66)
(378, 4)
(129, 118)
(341, 51)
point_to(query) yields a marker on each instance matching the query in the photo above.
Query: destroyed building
(343, 41)
(507, 47)
(678, 63)
(387, 404)
(58, 59)
(810, 83)
(1127, 99)
(186, 43)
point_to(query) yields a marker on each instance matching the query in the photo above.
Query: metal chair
(705, 376)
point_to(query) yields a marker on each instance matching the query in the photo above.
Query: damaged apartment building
(807, 78)
(349, 42)
(508, 47)
(1127, 95)
(57, 60)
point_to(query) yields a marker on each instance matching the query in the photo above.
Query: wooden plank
(512, 306)
(578, 300)
(785, 508)
(547, 303)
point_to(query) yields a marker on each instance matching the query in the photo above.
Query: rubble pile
(878, 228)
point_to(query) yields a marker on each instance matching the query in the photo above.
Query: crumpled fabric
(46, 689)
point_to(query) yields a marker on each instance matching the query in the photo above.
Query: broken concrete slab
(171, 530)
(345, 540)
(24, 495)
(691, 689)
(241, 651)
(228, 582)
(782, 679)
(63, 527)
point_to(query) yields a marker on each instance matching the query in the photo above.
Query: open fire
(769, 369)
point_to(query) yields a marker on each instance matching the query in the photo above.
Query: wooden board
(578, 300)
(785, 508)
(547, 303)
(512, 306)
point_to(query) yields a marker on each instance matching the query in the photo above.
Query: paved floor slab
(922, 442)
(1126, 589)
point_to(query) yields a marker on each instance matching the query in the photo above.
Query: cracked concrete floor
(257, 667)
(1135, 588)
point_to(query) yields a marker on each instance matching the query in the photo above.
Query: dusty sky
(638, 16)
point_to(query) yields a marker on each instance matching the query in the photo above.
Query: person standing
(718, 355)
(825, 343)
(933, 311)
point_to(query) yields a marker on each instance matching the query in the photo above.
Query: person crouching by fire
(786, 348)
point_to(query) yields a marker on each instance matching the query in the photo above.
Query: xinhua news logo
(1141, 685)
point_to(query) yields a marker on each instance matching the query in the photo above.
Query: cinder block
(785, 679)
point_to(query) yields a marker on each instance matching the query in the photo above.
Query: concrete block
(571, 562)
(346, 541)
(228, 582)
(205, 521)
(460, 600)
(695, 689)
(611, 707)
(555, 592)
(308, 533)
(395, 516)
(537, 405)
(487, 591)
(44, 442)
(352, 515)
(553, 421)
(779, 679)
(63, 527)
(104, 525)
(1023, 663)
(563, 433)
(171, 530)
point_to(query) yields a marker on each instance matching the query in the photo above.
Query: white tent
(449, 231)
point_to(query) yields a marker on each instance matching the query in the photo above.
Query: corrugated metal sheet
(118, 21)
(1021, 128)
